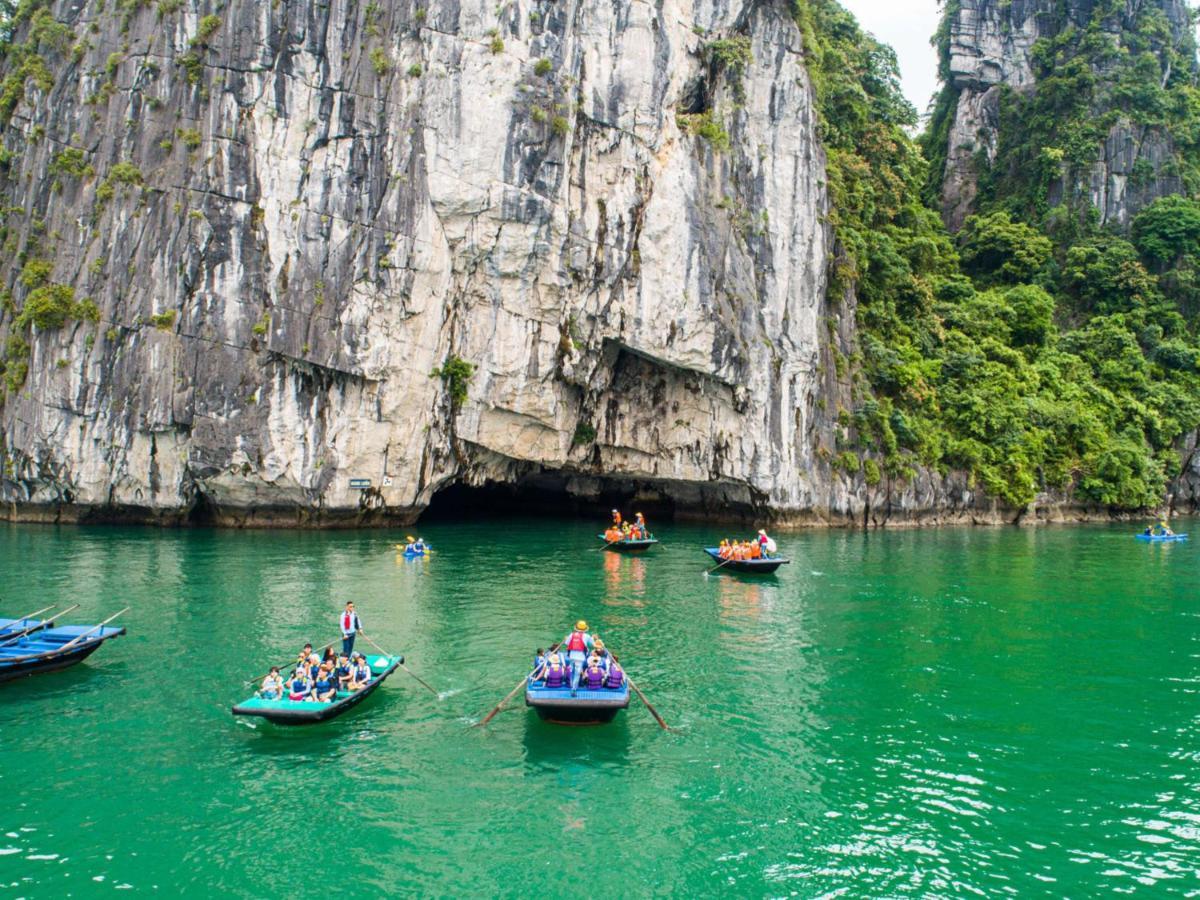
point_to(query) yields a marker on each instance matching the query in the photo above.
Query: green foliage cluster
(456, 374)
(122, 174)
(71, 162)
(704, 125)
(1032, 355)
(1125, 66)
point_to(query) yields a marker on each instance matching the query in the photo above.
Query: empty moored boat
(764, 566)
(306, 712)
(50, 649)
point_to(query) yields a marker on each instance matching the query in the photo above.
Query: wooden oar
(37, 612)
(641, 696)
(68, 645)
(292, 663)
(710, 571)
(512, 693)
(13, 638)
(402, 665)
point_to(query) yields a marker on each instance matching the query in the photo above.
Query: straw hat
(581, 625)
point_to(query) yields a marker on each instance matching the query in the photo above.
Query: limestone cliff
(993, 48)
(239, 238)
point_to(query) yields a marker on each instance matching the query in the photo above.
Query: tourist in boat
(617, 522)
(272, 686)
(555, 673)
(600, 652)
(325, 687)
(1164, 529)
(615, 677)
(766, 544)
(539, 660)
(577, 644)
(300, 687)
(594, 677)
(342, 673)
(351, 626)
(640, 531)
(360, 673)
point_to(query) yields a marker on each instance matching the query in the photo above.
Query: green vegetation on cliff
(1035, 349)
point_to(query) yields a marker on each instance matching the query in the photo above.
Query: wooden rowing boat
(763, 566)
(307, 712)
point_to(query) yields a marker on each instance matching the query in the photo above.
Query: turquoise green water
(923, 713)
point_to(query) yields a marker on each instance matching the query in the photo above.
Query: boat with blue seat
(307, 712)
(52, 648)
(582, 706)
(1161, 538)
(763, 566)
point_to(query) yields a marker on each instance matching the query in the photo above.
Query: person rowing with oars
(577, 644)
(351, 625)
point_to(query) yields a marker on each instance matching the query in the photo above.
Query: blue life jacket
(300, 686)
(362, 674)
(324, 685)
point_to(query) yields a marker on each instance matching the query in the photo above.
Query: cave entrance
(550, 493)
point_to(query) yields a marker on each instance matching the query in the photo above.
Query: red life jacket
(575, 642)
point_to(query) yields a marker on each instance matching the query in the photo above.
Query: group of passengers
(1162, 529)
(762, 547)
(318, 679)
(587, 662)
(621, 530)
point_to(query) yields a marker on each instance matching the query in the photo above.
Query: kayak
(306, 712)
(752, 566)
(1161, 538)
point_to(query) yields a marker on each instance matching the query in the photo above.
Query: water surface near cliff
(934, 712)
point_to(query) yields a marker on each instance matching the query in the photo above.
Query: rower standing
(351, 625)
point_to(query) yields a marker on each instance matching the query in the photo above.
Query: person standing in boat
(639, 527)
(768, 547)
(577, 644)
(351, 626)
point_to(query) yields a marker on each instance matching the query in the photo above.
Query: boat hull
(291, 712)
(747, 566)
(1161, 538)
(585, 708)
(629, 546)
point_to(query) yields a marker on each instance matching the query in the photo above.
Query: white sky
(907, 25)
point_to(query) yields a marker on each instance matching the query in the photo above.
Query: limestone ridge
(240, 237)
(989, 47)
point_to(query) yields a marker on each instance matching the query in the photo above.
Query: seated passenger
(539, 660)
(594, 677)
(556, 672)
(272, 686)
(342, 673)
(601, 653)
(325, 687)
(755, 551)
(616, 677)
(300, 687)
(360, 673)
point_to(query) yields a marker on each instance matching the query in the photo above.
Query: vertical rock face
(990, 49)
(288, 214)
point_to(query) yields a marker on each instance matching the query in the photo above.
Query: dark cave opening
(551, 494)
